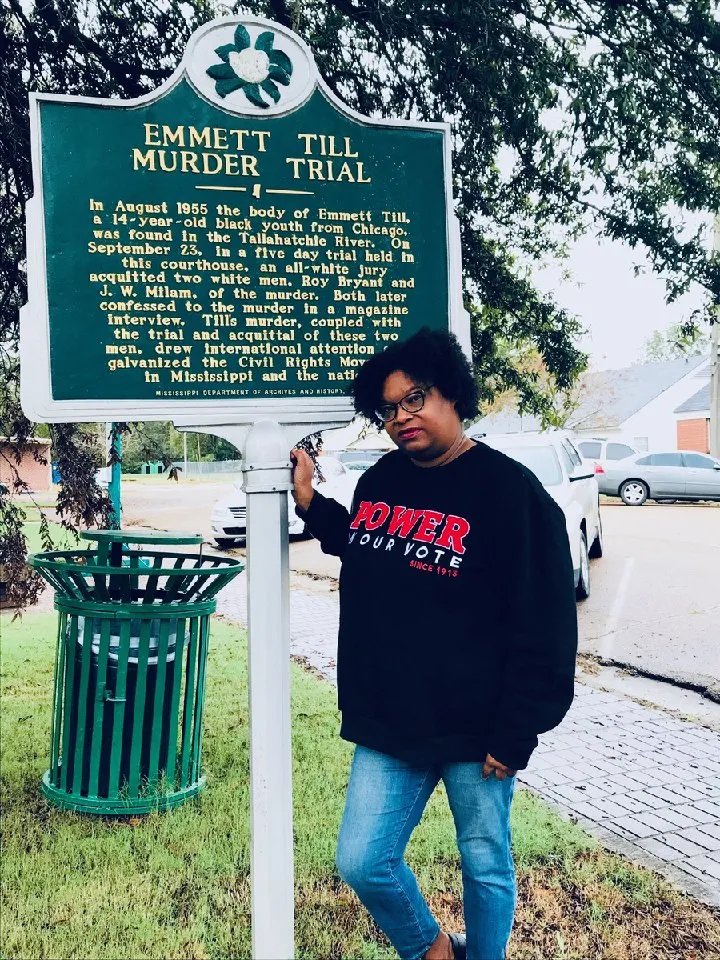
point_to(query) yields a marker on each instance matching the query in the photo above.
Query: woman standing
(457, 642)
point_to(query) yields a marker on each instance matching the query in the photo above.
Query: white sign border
(35, 387)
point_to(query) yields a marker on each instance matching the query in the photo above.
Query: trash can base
(119, 807)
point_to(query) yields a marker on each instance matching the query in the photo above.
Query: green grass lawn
(30, 503)
(62, 538)
(176, 885)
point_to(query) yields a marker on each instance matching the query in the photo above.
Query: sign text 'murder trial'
(214, 150)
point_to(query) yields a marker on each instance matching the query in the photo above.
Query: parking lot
(655, 601)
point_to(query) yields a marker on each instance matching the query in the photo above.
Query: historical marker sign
(237, 241)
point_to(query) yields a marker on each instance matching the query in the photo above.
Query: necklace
(462, 444)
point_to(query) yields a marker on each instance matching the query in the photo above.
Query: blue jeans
(385, 800)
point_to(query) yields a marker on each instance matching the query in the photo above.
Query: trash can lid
(141, 536)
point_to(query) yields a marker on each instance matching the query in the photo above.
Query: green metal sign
(238, 241)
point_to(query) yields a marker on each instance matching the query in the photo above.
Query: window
(590, 449)
(696, 460)
(618, 451)
(644, 462)
(542, 461)
(567, 460)
(575, 457)
(666, 459)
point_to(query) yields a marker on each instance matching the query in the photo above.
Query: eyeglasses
(411, 403)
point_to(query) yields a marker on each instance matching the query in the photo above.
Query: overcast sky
(619, 310)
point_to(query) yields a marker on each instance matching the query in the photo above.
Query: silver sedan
(666, 475)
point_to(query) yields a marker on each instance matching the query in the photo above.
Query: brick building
(36, 475)
(693, 422)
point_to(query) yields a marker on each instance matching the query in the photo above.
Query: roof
(38, 441)
(372, 441)
(607, 397)
(698, 402)
(506, 421)
(351, 437)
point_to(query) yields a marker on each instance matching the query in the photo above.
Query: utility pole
(715, 364)
(113, 442)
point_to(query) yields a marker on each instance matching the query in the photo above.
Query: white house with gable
(636, 404)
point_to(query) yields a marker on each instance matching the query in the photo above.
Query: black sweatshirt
(458, 627)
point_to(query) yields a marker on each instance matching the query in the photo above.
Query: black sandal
(459, 946)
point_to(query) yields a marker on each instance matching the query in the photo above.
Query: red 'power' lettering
(378, 515)
(453, 533)
(403, 520)
(364, 511)
(426, 531)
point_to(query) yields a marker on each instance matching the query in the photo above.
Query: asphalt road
(167, 505)
(655, 600)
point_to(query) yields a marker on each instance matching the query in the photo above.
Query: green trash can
(130, 668)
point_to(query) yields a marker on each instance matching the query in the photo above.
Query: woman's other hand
(494, 767)
(302, 475)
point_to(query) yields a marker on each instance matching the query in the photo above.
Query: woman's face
(431, 431)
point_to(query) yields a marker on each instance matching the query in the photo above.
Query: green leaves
(281, 60)
(269, 87)
(224, 52)
(242, 38)
(276, 73)
(242, 69)
(224, 87)
(265, 42)
(221, 71)
(253, 94)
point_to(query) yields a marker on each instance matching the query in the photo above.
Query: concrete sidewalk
(644, 783)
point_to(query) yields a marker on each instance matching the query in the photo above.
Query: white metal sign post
(267, 480)
(232, 248)
(265, 450)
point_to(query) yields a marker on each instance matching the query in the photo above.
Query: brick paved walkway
(645, 784)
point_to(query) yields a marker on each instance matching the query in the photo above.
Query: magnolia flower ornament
(250, 65)
(251, 69)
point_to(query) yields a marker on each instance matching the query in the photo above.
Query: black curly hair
(428, 357)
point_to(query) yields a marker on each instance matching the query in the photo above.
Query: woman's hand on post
(302, 475)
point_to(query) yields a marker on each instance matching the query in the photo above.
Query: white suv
(605, 450)
(229, 515)
(606, 454)
(554, 459)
